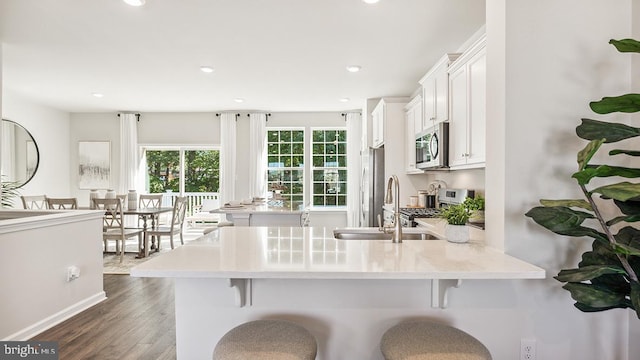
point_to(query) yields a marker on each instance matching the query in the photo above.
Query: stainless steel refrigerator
(373, 187)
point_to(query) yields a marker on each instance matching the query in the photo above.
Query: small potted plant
(476, 206)
(457, 217)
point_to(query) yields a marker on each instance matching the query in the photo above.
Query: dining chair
(150, 200)
(34, 202)
(62, 203)
(175, 227)
(113, 225)
(123, 199)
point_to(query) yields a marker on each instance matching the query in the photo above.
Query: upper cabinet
(386, 118)
(435, 92)
(413, 125)
(467, 117)
(377, 125)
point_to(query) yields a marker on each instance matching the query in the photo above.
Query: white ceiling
(278, 55)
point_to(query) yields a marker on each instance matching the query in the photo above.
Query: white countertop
(313, 253)
(255, 209)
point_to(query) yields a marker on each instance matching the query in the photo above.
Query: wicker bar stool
(266, 340)
(424, 340)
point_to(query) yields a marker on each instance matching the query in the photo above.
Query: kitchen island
(346, 292)
(262, 214)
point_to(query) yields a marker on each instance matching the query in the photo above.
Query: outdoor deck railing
(194, 200)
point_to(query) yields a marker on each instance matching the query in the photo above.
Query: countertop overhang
(313, 253)
(242, 254)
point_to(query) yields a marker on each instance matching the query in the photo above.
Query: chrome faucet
(396, 228)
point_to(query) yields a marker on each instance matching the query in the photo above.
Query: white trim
(55, 319)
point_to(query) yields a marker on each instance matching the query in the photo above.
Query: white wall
(547, 59)
(50, 129)
(36, 254)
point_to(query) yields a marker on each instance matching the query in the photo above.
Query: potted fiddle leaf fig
(607, 276)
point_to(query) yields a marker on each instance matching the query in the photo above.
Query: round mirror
(20, 156)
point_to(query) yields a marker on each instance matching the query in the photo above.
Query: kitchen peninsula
(346, 292)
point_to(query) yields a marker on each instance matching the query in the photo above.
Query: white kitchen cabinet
(467, 117)
(387, 118)
(377, 125)
(413, 125)
(435, 92)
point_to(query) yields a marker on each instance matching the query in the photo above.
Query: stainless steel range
(445, 198)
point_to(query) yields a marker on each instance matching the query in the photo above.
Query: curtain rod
(268, 114)
(137, 116)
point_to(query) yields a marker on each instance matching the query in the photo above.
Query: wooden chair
(177, 223)
(113, 225)
(150, 200)
(35, 202)
(62, 203)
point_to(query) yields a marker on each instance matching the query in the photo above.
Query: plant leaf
(610, 132)
(587, 153)
(587, 273)
(564, 221)
(626, 45)
(625, 218)
(594, 296)
(629, 207)
(585, 308)
(626, 250)
(621, 191)
(579, 203)
(626, 152)
(627, 103)
(590, 172)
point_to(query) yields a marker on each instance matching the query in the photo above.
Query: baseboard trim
(55, 319)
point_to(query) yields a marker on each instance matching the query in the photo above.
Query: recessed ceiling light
(371, 1)
(344, 100)
(354, 68)
(206, 69)
(238, 100)
(135, 2)
(98, 95)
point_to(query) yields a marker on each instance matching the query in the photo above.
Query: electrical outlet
(527, 349)
(73, 272)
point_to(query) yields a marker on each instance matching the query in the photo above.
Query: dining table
(146, 214)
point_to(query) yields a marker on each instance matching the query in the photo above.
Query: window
(329, 167)
(285, 164)
(292, 152)
(183, 170)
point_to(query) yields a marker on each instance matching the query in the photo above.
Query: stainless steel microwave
(432, 147)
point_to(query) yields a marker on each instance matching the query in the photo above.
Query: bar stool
(424, 340)
(266, 340)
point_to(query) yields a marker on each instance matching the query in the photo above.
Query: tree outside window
(329, 167)
(285, 164)
(200, 171)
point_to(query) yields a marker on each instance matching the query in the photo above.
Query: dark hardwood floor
(137, 321)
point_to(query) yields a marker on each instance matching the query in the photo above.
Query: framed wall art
(94, 164)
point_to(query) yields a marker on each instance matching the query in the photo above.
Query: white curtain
(227, 157)
(129, 159)
(354, 129)
(258, 155)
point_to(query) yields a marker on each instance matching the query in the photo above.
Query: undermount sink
(375, 234)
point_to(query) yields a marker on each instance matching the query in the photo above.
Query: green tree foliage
(202, 170)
